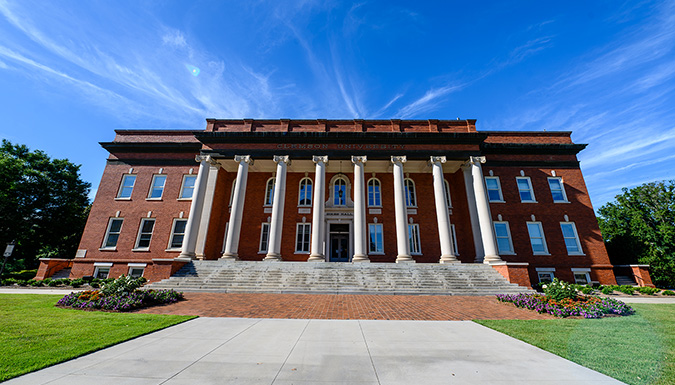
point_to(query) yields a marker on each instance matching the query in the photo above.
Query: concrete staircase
(625, 280)
(338, 278)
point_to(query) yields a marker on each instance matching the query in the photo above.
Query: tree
(640, 228)
(43, 204)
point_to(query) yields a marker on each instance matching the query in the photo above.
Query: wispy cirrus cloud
(428, 102)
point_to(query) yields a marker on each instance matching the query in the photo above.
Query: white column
(473, 214)
(359, 210)
(196, 207)
(483, 209)
(234, 229)
(402, 243)
(318, 210)
(206, 212)
(442, 216)
(277, 225)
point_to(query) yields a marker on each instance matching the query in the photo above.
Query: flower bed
(122, 294)
(582, 306)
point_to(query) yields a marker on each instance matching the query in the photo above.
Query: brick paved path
(366, 307)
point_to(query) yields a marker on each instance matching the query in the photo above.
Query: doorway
(338, 242)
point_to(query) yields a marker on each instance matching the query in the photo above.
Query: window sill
(562, 202)
(302, 252)
(508, 253)
(502, 201)
(173, 250)
(107, 249)
(153, 199)
(262, 252)
(529, 202)
(541, 253)
(576, 254)
(123, 199)
(416, 254)
(376, 253)
(184, 199)
(143, 249)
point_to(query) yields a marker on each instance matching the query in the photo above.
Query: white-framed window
(375, 238)
(305, 192)
(126, 186)
(503, 235)
(102, 269)
(339, 192)
(414, 238)
(177, 233)
(112, 233)
(269, 192)
(136, 270)
(157, 187)
(410, 194)
(582, 276)
(145, 233)
(557, 190)
(537, 239)
(188, 187)
(448, 200)
(569, 231)
(374, 193)
(494, 189)
(234, 184)
(525, 189)
(264, 237)
(453, 234)
(303, 234)
(545, 274)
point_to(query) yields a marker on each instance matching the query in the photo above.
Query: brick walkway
(366, 307)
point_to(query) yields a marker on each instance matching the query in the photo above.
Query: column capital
(282, 158)
(320, 158)
(437, 159)
(359, 159)
(208, 159)
(399, 159)
(244, 158)
(475, 160)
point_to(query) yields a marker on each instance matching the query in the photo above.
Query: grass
(637, 349)
(35, 334)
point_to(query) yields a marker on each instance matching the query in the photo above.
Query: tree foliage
(640, 228)
(43, 205)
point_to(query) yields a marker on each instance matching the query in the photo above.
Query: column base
(316, 258)
(449, 259)
(229, 257)
(272, 257)
(184, 258)
(360, 258)
(404, 259)
(490, 259)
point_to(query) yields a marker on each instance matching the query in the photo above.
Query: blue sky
(73, 71)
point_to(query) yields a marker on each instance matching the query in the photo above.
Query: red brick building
(424, 191)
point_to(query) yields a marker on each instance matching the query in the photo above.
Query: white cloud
(427, 102)
(174, 38)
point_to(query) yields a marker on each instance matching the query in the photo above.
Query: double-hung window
(127, 186)
(145, 233)
(537, 239)
(112, 234)
(302, 237)
(375, 243)
(503, 235)
(525, 189)
(494, 189)
(557, 190)
(264, 237)
(188, 187)
(414, 238)
(374, 195)
(177, 233)
(571, 238)
(545, 276)
(305, 193)
(157, 187)
(582, 276)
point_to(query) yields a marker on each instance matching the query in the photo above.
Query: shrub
(587, 290)
(24, 275)
(122, 285)
(607, 290)
(627, 289)
(34, 282)
(77, 282)
(559, 290)
(668, 292)
(648, 290)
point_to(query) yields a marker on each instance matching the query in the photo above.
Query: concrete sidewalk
(284, 351)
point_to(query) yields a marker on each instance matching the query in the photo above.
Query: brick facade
(537, 155)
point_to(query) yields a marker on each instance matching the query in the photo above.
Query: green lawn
(637, 349)
(35, 334)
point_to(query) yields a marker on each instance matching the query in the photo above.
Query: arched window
(374, 196)
(234, 183)
(410, 195)
(305, 196)
(269, 192)
(447, 193)
(339, 192)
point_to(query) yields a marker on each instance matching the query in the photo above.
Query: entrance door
(339, 248)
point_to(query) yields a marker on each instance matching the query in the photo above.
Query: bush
(121, 286)
(35, 283)
(627, 289)
(559, 290)
(586, 290)
(607, 290)
(648, 290)
(668, 292)
(24, 275)
(77, 282)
